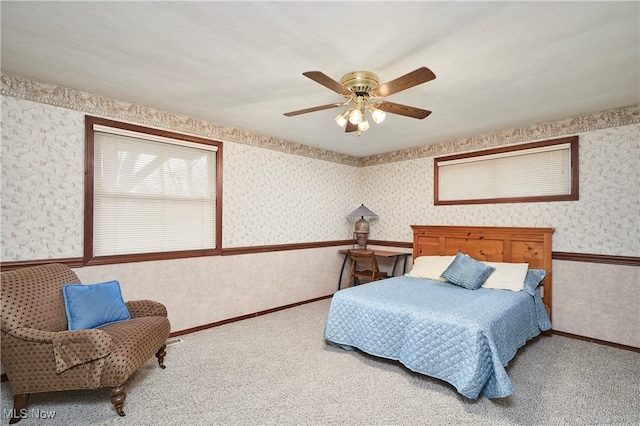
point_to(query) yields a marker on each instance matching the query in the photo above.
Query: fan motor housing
(360, 81)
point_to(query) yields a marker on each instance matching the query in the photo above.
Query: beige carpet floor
(276, 369)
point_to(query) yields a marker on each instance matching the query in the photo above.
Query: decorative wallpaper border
(32, 90)
(552, 129)
(22, 87)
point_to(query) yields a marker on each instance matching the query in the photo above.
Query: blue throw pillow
(93, 305)
(533, 279)
(467, 272)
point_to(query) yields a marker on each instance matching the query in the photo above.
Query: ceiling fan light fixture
(363, 92)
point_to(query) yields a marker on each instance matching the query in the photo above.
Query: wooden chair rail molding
(596, 258)
(77, 262)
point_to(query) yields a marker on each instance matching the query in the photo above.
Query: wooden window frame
(89, 258)
(574, 185)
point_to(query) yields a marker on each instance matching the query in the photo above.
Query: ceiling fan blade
(350, 127)
(405, 110)
(328, 82)
(419, 76)
(314, 109)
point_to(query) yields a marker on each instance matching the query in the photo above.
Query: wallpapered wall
(604, 221)
(272, 197)
(269, 197)
(281, 196)
(276, 198)
(42, 181)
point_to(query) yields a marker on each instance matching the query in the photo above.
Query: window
(539, 171)
(150, 194)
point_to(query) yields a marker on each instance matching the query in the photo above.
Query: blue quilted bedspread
(465, 337)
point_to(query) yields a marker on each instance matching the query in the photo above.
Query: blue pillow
(467, 272)
(533, 279)
(93, 305)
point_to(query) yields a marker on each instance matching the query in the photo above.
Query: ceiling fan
(363, 92)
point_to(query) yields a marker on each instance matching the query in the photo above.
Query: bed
(464, 337)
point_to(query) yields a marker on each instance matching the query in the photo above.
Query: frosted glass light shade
(378, 115)
(355, 117)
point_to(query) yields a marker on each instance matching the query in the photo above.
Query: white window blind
(152, 194)
(535, 172)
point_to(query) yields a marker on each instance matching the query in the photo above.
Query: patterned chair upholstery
(39, 354)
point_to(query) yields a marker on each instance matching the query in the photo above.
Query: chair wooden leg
(19, 407)
(160, 355)
(118, 395)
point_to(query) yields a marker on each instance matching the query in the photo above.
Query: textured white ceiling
(499, 65)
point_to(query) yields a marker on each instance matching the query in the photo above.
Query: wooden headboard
(491, 244)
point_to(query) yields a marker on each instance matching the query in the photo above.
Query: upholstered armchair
(40, 354)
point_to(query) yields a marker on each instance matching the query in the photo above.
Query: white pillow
(507, 276)
(430, 267)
